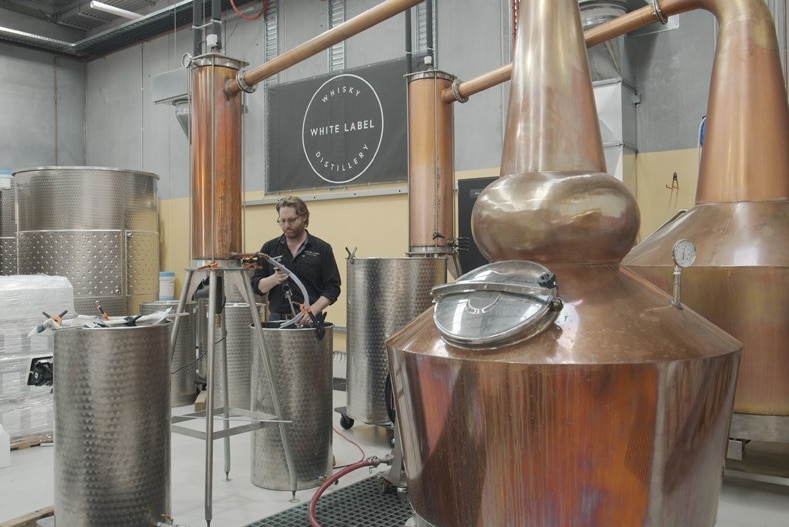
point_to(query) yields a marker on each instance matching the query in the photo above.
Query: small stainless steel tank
(112, 426)
(384, 294)
(303, 377)
(99, 227)
(183, 366)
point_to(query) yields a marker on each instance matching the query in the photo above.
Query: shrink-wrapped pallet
(26, 411)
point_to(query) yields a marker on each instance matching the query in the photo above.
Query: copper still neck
(745, 156)
(553, 203)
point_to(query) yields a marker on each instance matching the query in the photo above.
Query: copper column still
(613, 410)
(430, 167)
(216, 159)
(741, 218)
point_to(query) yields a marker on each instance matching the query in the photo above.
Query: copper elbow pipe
(349, 28)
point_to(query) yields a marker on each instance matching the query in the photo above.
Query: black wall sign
(338, 130)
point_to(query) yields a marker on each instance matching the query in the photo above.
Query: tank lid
(502, 302)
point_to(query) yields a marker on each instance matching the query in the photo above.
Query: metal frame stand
(238, 277)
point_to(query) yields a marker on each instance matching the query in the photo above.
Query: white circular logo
(342, 128)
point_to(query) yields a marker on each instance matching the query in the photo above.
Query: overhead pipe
(197, 18)
(245, 81)
(216, 24)
(408, 45)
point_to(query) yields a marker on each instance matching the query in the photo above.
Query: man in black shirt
(308, 257)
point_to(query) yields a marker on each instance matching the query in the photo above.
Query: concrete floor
(747, 500)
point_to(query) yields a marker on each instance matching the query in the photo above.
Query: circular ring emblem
(343, 128)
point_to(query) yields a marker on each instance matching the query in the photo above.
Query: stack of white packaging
(26, 411)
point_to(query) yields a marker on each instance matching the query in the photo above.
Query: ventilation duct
(605, 60)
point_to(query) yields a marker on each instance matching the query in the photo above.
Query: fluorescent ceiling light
(117, 11)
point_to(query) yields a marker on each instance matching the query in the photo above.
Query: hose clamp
(663, 19)
(242, 84)
(456, 91)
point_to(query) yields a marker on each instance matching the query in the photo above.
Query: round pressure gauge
(684, 253)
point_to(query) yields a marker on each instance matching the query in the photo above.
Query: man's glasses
(288, 221)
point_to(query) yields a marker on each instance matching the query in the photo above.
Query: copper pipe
(598, 34)
(216, 159)
(349, 28)
(430, 167)
(607, 31)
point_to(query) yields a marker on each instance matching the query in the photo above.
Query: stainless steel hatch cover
(499, 303)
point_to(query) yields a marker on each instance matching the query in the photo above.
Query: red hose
(245, 17)
(374, 461)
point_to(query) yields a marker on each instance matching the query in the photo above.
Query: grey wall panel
(472, 41)
(114, 110)
(70, 80)
(299, 22)
(165, 144)
(673, 71)
(27, 105)
(245, 40)
(389, 38)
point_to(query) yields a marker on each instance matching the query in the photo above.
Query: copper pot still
(551, 387)
(741, 218)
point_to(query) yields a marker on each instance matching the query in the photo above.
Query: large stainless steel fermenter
(99, 227)
(8, 263)
(112, 426)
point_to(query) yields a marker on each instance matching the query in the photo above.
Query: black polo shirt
(314, 265)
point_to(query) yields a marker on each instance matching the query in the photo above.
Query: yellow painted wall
(654, 172)
(377, 226)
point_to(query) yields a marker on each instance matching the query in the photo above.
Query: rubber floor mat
(361, 504)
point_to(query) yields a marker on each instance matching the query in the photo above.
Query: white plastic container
(166, 285)
(5, 447)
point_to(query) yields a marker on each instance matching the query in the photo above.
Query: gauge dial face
(684, 253)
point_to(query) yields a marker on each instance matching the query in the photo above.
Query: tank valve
(684, 254)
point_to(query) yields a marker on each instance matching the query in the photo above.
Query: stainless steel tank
(551, 387)
(99, 227)
(384, 294)
(238, 349)
(183, 361)
(8, 265)
(112, 426)
(303, 379)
